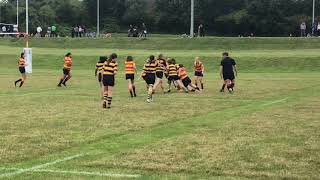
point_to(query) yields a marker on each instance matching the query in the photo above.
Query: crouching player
(149, 75)
(110, 69)
(130, 69)
(228, 72)
(186, 81)
(99, 72)
(66, 70)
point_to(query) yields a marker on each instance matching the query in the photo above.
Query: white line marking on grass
(89, 173)
(275, 102)
(21, 171)
(78, 173)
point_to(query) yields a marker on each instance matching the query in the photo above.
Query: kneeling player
(228, 71)
(149, 75)
(186, 81)
(130, 69)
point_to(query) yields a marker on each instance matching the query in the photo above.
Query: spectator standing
(39, 31)
(80, 31)
(201, 31)
(76, 30)
(49, 31)
(54, 31)
(318, 29)
(303, 28)
(130, 31)
(144, 30)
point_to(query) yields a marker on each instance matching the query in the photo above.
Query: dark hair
(169, 61)
(129, 58)
(21, 55)
(225, 54)
(113, 56)
(160, 56)
(103, 59)
(151, 59)
(68, 54)
(181, 65)
(173, 61)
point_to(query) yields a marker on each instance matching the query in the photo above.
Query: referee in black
(228, 72)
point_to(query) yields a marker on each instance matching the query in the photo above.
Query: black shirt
(227, 64)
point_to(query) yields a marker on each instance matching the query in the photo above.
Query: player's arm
(221, 72)
(235, 70)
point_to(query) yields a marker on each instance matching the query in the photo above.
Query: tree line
(220, 17)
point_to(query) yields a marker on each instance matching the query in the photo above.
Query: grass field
(267, 129)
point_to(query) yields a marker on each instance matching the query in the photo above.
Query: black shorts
(130, 76)
(150, 78)
(173, 78)
(100, 77)
(159, 74)
(228, 77)
(186, 81)
(66, 72)
(108, 80)
(22, 70)
(199, 74)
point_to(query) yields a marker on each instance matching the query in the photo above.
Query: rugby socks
(65, 80)
(105, 100)
(61, 80)
(131, 93)
(15, 83)
(134, 91)
(109, 99)
(223, 86)
(21, 83)
(202, 86)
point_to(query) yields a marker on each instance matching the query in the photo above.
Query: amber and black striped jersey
(130, 67)
(110, 68)
(161, 65)
(67, 63)
(150, 68)
(172, 70)
(99, 67)
(198, 67)
(22, 62)
(182, 73)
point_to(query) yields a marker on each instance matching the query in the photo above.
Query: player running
(99, 72)
(186, 81)
(130, 70)
(228, 72)
(198, 72)
(110, 69)
(22, 64)
(66, 69)
(160, 71)
(149, 75)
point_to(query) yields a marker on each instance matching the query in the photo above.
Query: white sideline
(275, 102)
(88, 173)
(20, 171)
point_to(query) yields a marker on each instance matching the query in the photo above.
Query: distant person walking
(54, 31)
(228, 72)
(303, 28)
(144, 30)
(22, 64)
(201, 31)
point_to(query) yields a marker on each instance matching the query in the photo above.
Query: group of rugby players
(154, 71)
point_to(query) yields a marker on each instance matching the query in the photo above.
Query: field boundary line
(116, 175)
(36, 167)
(275, 102)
